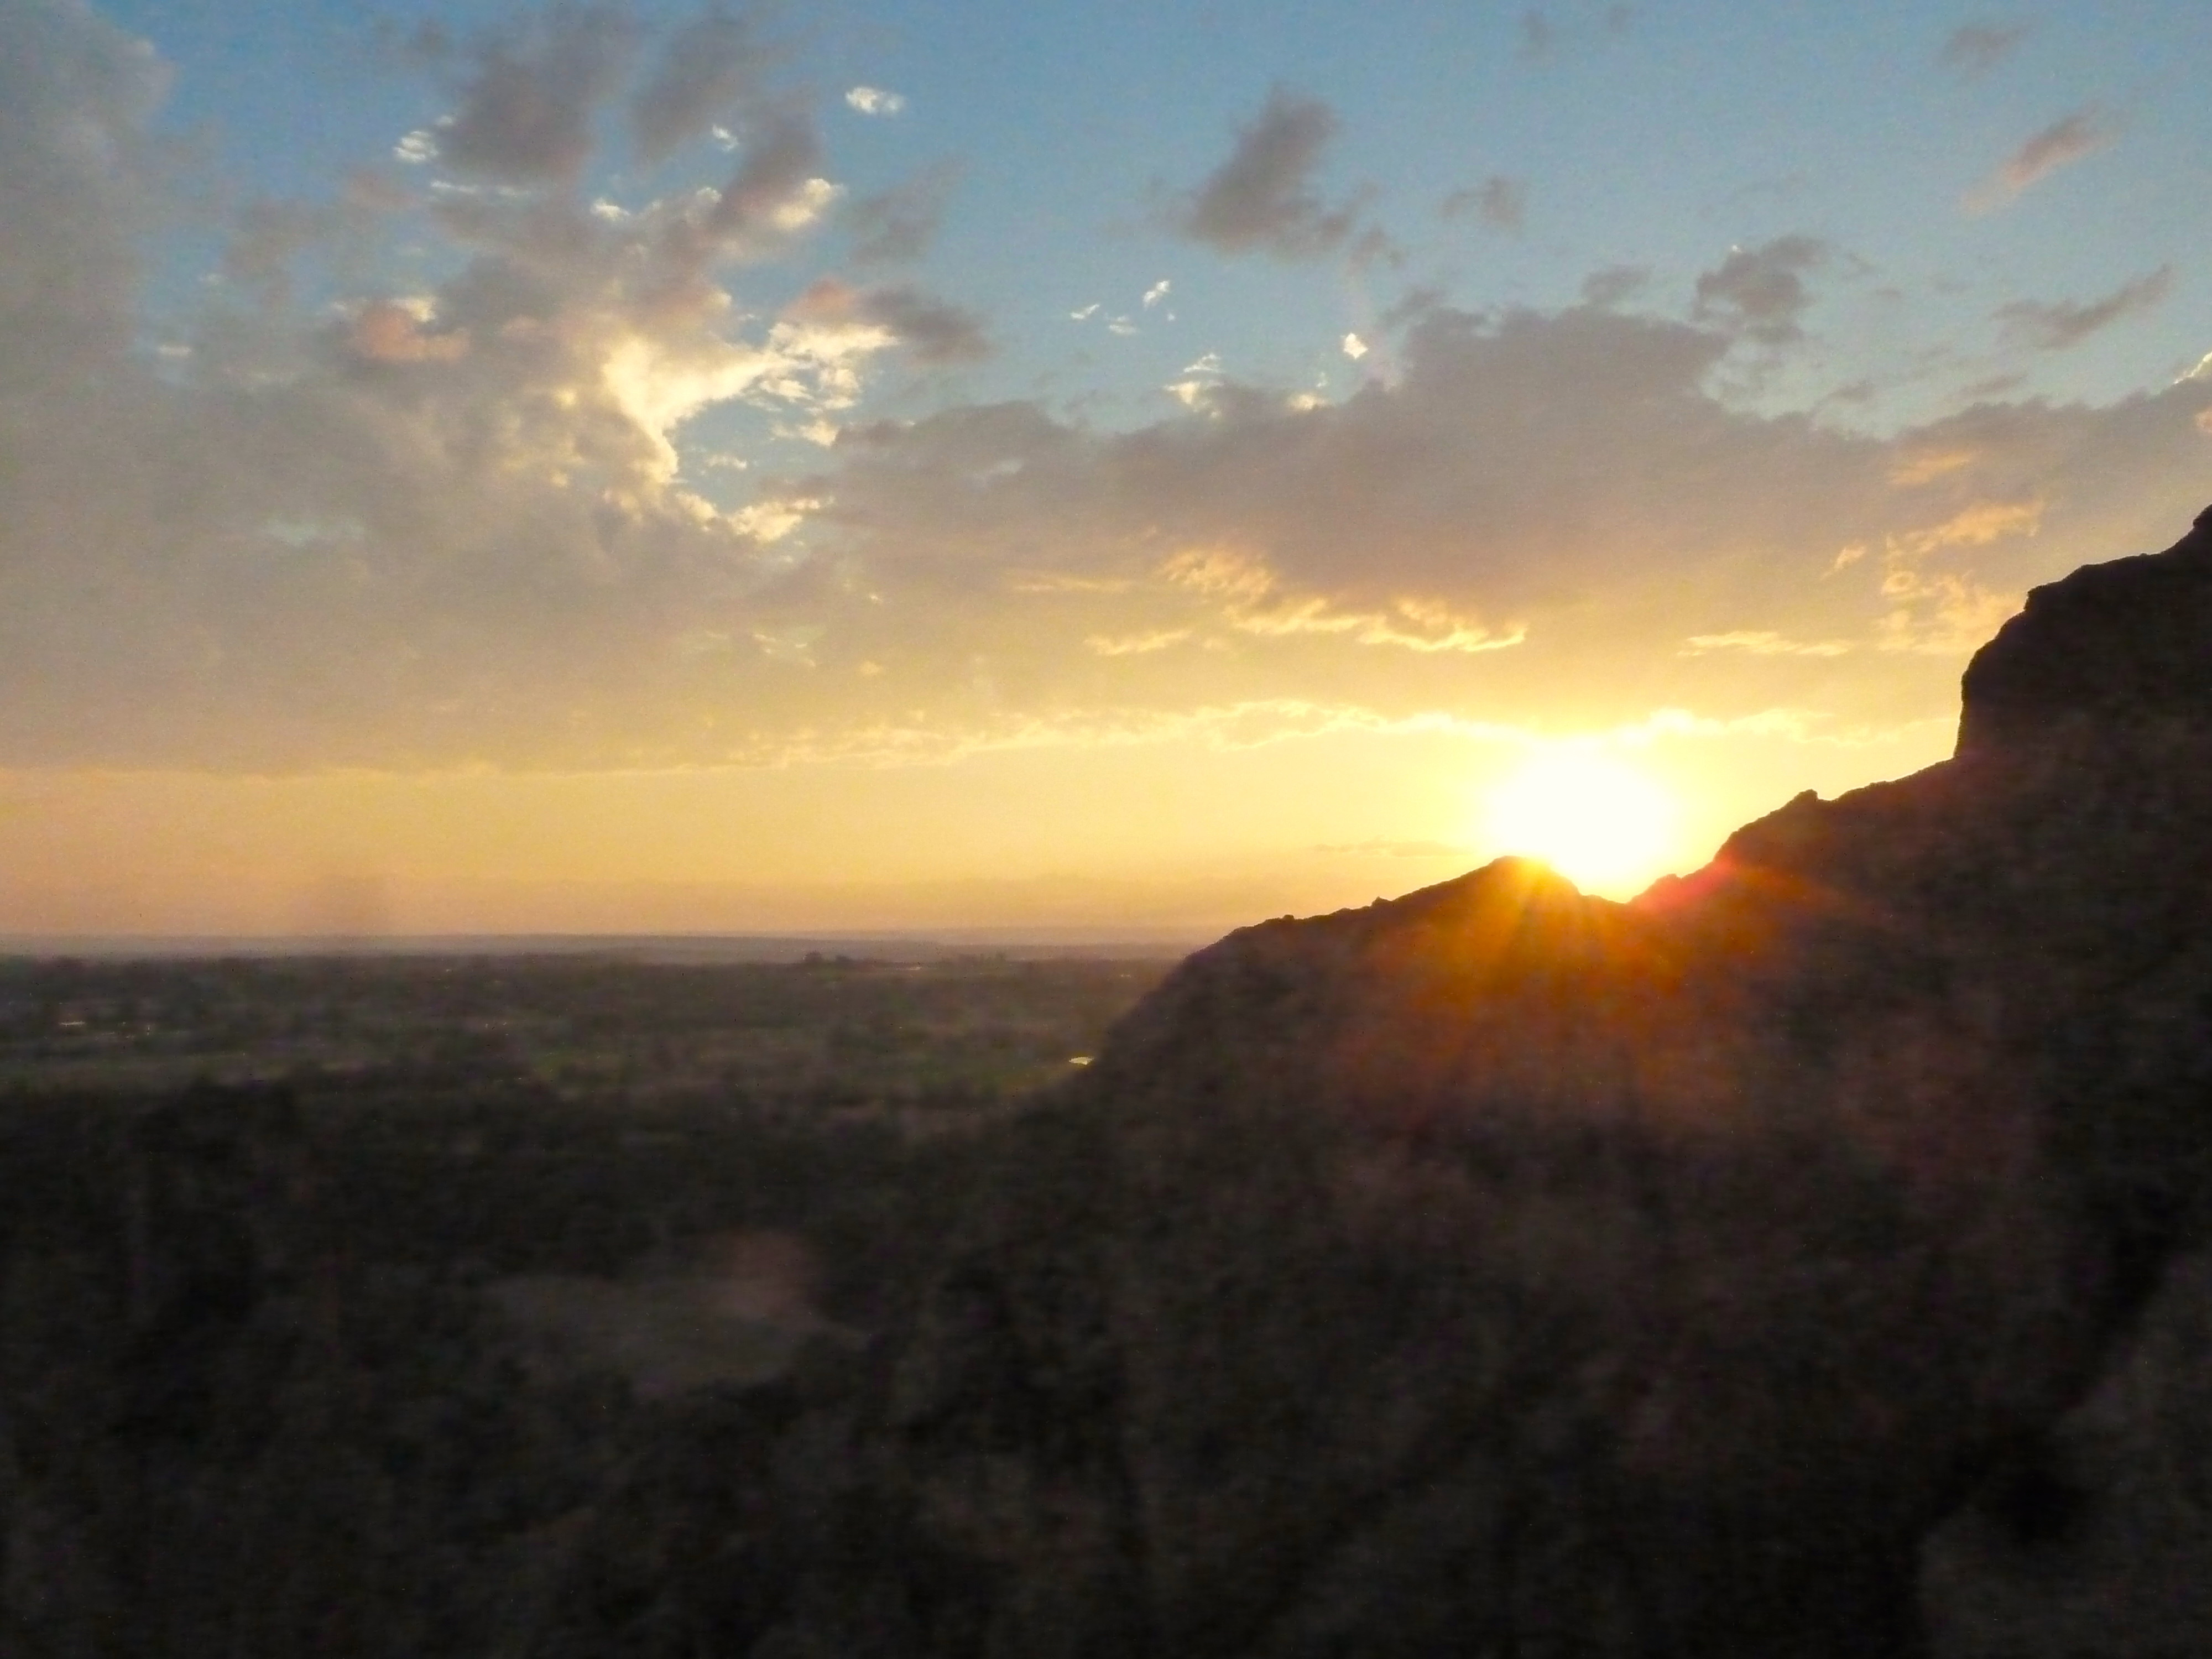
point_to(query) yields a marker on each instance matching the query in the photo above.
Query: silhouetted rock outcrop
(1500, 1270)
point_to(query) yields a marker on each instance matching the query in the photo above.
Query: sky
(884, 465)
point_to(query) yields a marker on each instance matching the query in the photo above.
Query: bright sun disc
(1599, 821)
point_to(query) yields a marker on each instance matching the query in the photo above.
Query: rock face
(1501, 1270)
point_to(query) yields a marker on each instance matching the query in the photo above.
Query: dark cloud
(1260, 200)
(705, 72)
(1498, 202)
(932, 331)
(1978, 48)
(2060, 323)
(1412, 306)
(783, 152)
(775, 193)
(899, 224)
(1538, 36)
(1760, 292)
(525, 112)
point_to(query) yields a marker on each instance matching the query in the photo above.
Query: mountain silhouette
(1502, 1270)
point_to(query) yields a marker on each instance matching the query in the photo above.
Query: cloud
(874, 101)
(782, 151)
(76, 188)
(706, 71)
(460, 522)
(898, 225)
(1974, 49)
(1608, 288)
(2062, 143)
(1521, 482)
(1260, 200)
(422, 526)
(526, 110)
(2060, 323)
(1498, 202)
(1764, 643)
(389, 332)
(1760, 292)
(268, 236)
(1137, 645)
(932, 331)
(1542, 34)
(1252, 599)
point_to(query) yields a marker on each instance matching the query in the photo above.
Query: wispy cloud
(1764, 643)
(1973, 49)
(2055, 325)
(899, 224)
(1498, 202)
(2061, 144)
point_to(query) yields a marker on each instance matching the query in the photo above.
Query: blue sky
(450, 390)
(1650, 138)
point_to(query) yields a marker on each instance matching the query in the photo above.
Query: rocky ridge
(1499, 1269)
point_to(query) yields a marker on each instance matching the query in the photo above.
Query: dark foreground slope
(1498, 1270)
(1805, 1262)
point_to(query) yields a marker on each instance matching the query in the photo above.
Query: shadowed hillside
(1799, 1263)
(1502, 1270)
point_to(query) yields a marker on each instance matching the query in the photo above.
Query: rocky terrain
(1502, 1270)
(1805, 1260)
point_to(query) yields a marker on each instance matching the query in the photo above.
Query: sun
(1600, 822)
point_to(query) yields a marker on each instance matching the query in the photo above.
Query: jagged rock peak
(2123, 644)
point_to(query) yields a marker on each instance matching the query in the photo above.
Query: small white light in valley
(1597, 820)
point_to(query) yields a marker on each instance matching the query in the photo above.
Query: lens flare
(1605, 825)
